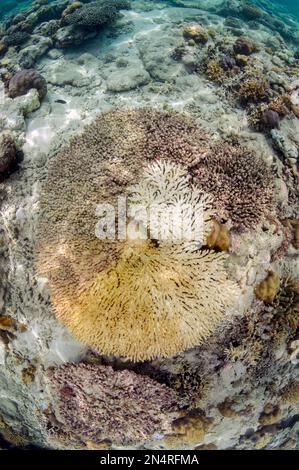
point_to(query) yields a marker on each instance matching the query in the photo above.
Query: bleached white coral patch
(169, 206)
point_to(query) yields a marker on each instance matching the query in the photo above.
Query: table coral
(105, 290)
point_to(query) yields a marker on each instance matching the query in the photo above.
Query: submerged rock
(95, 14)
(244, 46)
(24, 81)
(270, 119)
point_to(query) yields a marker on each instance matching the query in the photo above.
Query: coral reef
(215, 70)
(24, 81)
(96, 403)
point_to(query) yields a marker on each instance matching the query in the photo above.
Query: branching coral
(281, 104)
(96, 403)
(254, 90)
(178, 210)
(240, 182)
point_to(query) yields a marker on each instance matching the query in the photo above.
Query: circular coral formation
(241, 184)
(126, 407)
(134, 298)
(24, 81)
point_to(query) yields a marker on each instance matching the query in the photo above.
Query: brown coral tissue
(138, 299)
(241, 184)
(95, 403)
(25, 80)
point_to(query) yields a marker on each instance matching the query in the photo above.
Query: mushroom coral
(135, 298)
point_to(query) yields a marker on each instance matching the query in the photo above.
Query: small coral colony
(182, 340)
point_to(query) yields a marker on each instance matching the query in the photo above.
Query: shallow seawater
(278, 6)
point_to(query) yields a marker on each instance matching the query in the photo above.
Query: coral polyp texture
(144, 297)
(241, 184)
(94, 403)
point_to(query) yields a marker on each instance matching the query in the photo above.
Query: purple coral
(24, 81)
(240, 182)
(96, 403)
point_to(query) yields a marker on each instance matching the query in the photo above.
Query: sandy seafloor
(131, 64)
